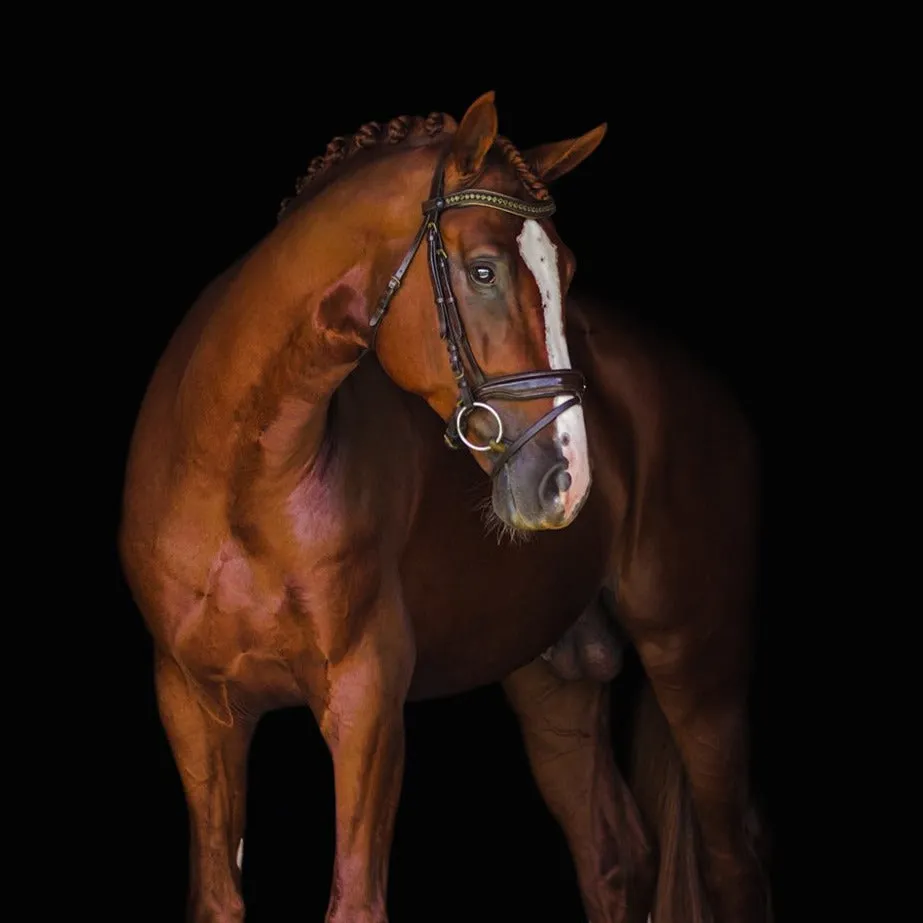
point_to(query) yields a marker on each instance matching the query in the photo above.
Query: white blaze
(240, 853)
(541, 257)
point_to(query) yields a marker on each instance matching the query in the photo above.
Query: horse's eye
(482, 274)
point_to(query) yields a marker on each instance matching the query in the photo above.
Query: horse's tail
(662, 792)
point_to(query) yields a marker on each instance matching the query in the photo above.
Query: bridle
(475, 389)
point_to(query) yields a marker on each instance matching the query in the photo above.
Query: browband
(489, 199)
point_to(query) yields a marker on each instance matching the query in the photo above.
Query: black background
(683, 215)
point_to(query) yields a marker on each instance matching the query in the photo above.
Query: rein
(475, 389)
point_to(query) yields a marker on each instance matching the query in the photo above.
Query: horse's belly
(481, 610)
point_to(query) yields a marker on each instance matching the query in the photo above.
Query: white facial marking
(240, 853)
(541, 257)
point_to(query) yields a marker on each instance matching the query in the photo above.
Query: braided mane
(399, 129)
(534, 186)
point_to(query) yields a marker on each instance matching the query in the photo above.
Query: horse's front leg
(362, 721)
(211, 756)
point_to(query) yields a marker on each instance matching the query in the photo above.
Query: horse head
(499, 274)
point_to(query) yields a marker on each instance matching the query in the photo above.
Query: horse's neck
(288, 325)
(280, 336)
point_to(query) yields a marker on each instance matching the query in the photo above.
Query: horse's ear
(474, 136)
(549, 161)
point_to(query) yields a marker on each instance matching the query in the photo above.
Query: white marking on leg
(240, 854)
(541, 257)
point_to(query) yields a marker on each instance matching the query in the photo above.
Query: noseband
(475, 389)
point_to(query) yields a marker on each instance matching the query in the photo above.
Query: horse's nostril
(555, 481)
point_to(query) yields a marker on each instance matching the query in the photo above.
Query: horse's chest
(481, 610)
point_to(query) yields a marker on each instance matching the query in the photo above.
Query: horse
(287, 502)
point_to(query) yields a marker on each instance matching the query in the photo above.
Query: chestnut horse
(295, 532)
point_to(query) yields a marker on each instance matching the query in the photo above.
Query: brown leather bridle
(474, 388)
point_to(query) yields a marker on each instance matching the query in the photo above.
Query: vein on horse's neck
(284, 333)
